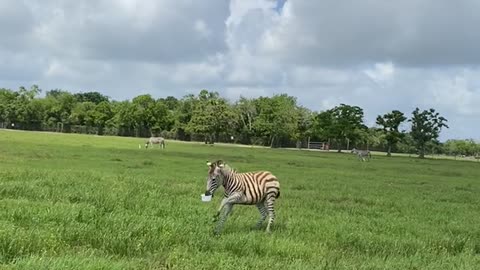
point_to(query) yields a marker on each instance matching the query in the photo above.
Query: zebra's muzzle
(207, 193)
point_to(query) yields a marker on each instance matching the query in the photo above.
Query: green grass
(88, 202)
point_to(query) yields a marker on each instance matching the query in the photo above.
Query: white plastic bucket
(206, 198)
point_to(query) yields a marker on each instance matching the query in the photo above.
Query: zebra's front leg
(263, 214)
(222, 204)
(223, 218)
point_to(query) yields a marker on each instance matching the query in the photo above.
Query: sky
(376, 54)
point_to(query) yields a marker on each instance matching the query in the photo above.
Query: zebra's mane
(227, 166)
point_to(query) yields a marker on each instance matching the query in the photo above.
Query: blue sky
(380, 55)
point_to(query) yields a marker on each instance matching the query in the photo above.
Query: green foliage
(426, 127)
(94, 97)
(246, 113)
(462, 147)
(275, 121)
(59, 105)
(82, 114)
(342, 123)
(85, 202)
(211, 116)
(277, 118)
(390, 123)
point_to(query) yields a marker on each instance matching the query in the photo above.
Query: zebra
(259, 188)
(362, 154)
(155, 140)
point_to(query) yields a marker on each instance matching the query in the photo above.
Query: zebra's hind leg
(228, 208)
(263, 214)
(271, 211)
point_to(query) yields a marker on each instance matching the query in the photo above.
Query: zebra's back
(259, 185)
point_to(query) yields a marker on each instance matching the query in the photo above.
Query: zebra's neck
(228, 179)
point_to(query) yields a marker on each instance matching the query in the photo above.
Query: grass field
(88, 202)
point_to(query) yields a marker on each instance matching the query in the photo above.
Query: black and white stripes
(362, 154)
(251, 188)
(155, 140)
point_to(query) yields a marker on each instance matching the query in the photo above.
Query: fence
(318, 145)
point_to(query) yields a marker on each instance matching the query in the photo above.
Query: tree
(171, 102)
(277, 118)
(343, 122)
(323, 126)
(36, 114)
(125, 118)
(390, 123)
(211, 116)
(451, 147)
(59, 105)
(21, 107)
(94, 97)
(101, 114)
(182, 116)
(246, 113)
(163, 117)
(407, 144)
(7, 106)
(304, 125)
(466, 147)
(144, 114)
(82, 114)
(372, 137)
(426, 127)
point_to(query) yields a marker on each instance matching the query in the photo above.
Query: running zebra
(155, 140)
(250, 188)
(362, 154)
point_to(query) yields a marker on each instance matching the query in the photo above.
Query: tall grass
(86, 202)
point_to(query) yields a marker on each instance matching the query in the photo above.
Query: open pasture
(87, 202)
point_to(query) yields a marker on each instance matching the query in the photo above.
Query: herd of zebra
(260, 188)
(362, 154)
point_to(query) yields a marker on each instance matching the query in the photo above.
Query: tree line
(276, 121)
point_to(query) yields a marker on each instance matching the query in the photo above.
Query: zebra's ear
(209, 163)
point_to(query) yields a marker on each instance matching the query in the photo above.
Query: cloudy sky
(380, 55)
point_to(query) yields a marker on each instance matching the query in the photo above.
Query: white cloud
(454, 94)
(377, 54)
(382, 72)
(201, 27)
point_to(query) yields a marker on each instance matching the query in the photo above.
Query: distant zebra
(362, 154)
(155, 140)
(260, 188)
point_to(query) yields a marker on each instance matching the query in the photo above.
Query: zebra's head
(215, 176)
